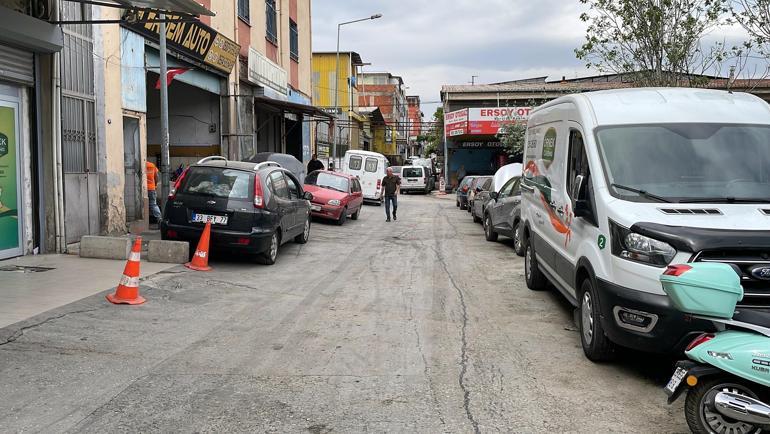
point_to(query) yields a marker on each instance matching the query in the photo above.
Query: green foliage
(435, 137)
(754, 16)
(512, 136)
(654, 42)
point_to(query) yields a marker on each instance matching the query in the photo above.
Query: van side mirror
(577, 189)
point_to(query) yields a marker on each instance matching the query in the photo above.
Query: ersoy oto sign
(482, 121)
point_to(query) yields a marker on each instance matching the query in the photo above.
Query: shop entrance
(10, 185)
(132, 162)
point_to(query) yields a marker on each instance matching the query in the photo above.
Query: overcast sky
(436, 42)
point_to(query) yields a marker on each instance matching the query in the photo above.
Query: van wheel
(535, 278)
(596, 346)
(268, 257)
(489, 231)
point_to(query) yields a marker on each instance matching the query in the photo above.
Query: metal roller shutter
(17, 65)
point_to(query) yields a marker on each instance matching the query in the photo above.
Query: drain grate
(24, 269)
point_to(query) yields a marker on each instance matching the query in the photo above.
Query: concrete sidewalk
(31, 285)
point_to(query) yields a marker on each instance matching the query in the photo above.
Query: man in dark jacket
(314, 164)
(391, 186)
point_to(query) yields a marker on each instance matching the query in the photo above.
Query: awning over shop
(291, 107)
(358, 117)
(24, 31)
(374, 113)
(188, 7)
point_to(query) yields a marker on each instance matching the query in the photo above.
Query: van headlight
(334, 202)
(635, 247)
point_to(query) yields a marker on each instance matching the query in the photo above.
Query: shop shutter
(17, 65)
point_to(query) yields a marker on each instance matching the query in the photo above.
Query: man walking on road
(152, 182)
(391, 186)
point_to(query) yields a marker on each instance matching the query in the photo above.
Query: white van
(369, 167)
(619, 184)
(415, 179)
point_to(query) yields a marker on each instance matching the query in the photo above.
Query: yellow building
(348, 131)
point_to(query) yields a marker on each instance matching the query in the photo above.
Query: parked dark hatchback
(462, 191)
(253, 208)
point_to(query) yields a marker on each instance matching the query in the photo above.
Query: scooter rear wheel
(703, 418)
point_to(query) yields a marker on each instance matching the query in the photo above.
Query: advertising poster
(9, 221)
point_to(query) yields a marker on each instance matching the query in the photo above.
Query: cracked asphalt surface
(414, 326)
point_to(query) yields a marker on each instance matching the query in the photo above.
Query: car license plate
(411, 180)
(675, 381)
(206, 218)
(315, 207)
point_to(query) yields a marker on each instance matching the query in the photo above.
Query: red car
(335, 195)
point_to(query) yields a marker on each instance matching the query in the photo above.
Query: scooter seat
(751, 316)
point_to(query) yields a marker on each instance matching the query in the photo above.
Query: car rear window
(371, 164)
(412, 172)
(218, 182)
(355, 162)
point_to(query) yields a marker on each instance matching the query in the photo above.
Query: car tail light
(171, 234)
(465, 188)
(259, 196)
(379, 184)
(702, 339)
(177, 184)
(243, 241)
(676, 270)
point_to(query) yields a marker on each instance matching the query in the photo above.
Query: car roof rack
(267, 164)
(212, 158)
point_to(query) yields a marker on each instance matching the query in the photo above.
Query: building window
(243, 10)
(272, 22)
(294, 41)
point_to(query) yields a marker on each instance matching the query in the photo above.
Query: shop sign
(483, 121)
(478, 145)
(193, 39)
(266, 73)
(9, 202)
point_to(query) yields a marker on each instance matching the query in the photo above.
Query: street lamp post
(337, 72)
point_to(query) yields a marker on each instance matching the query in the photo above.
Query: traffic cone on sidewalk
(127, 291)
(200, 260)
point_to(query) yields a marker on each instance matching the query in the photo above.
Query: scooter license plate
(675, 381)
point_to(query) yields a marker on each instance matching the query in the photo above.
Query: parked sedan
(480, 199)
(502, 214)
(478, 185)
(462, 191)
(252, 207)
(335, 195)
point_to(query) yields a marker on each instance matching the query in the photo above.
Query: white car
(620, 184)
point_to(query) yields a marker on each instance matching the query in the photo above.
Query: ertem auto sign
(193, 39)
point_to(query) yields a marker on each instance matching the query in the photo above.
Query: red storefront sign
(482, 121)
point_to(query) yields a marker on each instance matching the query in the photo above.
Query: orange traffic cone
(127, 291)
(200, 261)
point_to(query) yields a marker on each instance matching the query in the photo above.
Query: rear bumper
(413, 187)
(258, 239)
(669, 332)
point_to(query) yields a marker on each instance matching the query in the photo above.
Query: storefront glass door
(10, 194)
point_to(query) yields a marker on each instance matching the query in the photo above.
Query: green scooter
(727, 378)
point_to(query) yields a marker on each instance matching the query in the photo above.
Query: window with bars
(243, 10)
(272, 21)
(293, 41)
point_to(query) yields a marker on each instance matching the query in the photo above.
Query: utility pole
(164, 138)
(473, 79)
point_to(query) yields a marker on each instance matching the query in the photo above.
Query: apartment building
(80, 105)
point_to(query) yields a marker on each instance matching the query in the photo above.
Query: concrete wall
(109, 98)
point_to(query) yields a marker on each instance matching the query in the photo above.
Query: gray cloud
(431, 43)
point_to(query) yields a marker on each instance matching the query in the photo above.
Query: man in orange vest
(152, 194)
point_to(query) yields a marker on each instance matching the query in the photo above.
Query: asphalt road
(414, 326)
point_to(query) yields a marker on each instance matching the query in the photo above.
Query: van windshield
(716, 163)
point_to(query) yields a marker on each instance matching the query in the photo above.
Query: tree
(512, 135)
(435, 137)
(654, 42)
(754, 16)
